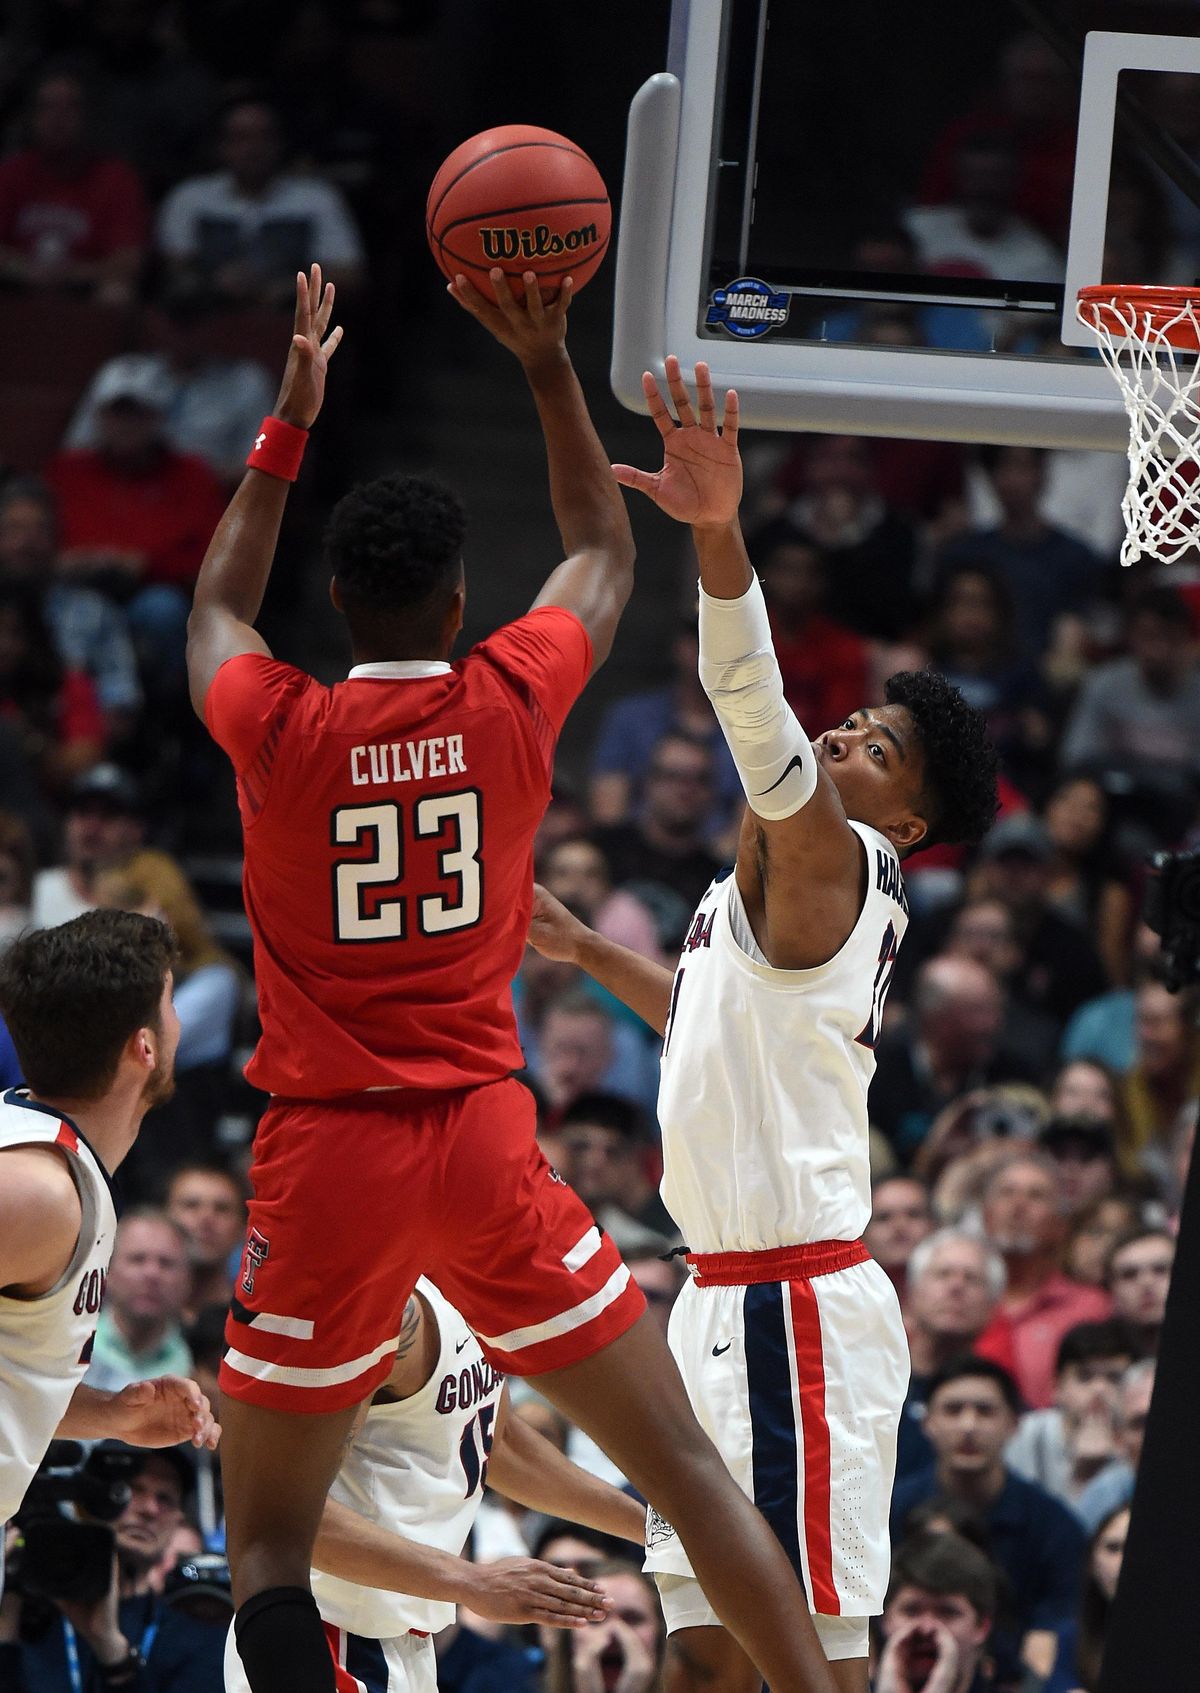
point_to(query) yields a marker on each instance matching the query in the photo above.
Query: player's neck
(109, 1125)
(401, 652)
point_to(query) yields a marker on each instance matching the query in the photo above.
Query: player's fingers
(466, 295)
(331, 344)
(705, 404)
(566, 294)
(629, 476)
(657, 406)
(314, 289)
(677, 388)
(324, 311)
(504, 294)
(533, 298)
(300, 322)
(729, 422)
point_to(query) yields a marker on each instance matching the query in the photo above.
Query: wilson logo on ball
(541, 242)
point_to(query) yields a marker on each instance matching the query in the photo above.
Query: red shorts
(355, 1198)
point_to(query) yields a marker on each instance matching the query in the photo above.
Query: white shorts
(800, 1385)
(404, 1665)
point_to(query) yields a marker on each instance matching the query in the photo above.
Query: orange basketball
(521, 198)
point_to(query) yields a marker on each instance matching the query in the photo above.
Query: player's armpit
(215, 635)
(802, 880)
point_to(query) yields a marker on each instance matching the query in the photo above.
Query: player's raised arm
(639, 983)
(596, 577)
(233, 577)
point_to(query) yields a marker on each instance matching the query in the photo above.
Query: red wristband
(278, 449)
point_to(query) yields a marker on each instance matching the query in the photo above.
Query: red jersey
(389, 826)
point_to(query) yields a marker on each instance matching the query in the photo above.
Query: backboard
(875, 219)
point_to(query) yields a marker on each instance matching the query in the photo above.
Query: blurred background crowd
(166, 168)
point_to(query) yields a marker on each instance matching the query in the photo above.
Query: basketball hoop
(1150, 340)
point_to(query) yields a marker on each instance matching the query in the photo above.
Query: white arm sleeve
(740, 674)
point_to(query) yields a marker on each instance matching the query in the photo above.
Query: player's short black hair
(959, 794)
(968, 1367)
(72, 996)
(394, 542)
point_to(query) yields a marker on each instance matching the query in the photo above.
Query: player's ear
(907, 833)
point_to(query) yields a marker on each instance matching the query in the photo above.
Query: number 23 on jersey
(387, 830)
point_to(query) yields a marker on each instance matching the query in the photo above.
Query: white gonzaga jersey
(45, 1342)
(763, 1091)
(418, 1468)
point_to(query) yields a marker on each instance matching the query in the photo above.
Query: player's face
(900, 1220)
(160, 1084)
(875, 762)
(969, 1423)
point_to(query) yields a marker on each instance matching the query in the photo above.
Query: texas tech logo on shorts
(257, 1250)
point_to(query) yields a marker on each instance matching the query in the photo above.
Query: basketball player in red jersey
(388, 827)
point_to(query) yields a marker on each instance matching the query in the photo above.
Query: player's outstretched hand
(303, 388)
(163, 1412)
(553, 931)
(535, 330)
(514, 1590)
(701, 479)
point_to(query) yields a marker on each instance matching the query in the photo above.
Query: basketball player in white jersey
(788, 1335)
(388, 1565)
(90, 1012)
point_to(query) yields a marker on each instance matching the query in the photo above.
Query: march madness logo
(747, 309)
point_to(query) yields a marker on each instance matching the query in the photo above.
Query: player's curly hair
(390, 543)
(960, 761)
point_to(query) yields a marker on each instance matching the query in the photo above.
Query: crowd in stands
(1035, 1102)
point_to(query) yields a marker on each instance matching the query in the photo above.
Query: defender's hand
(521, 1590)
(553, 931)
(535, 331)
(701, 479)
(163, 1412)
(303, 388)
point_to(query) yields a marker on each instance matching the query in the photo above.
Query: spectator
(1084, 885)
(1086, 1087)
(575, 1052)
(575, 870)
(667, 844)
(956, 1281)
(971, 640)
(824, 664)
(182, 1655)
(1101, 1031)
(1081, 1640)
(89, 633)
(1142, 713)
(16, 876)
(246, 230)
(1063, 1447)
(139, 1332)
(985, 929)
(952, 1047)
(624, 1651)
(1138, 1276)
(660, 1279)
(971, 1416)
(101, 831)
(632, 727)
(1113, 1487)
(137, 516)
(1095, 1233)
(70, 218)
(869, 549)
(1025, 1219)
(1085, 1154)
(594, 1032)
(209, 1205)
(213, 405)
(937, 1617)
(1164, 1076)
(1046, 571)
(605, 1148)
(54, 710)
(901, 1218)
(1061, 965)
(978, 230)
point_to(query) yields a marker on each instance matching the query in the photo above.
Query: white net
(1160, 385)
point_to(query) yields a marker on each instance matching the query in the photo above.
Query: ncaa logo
(747, 309)
(257, 1251)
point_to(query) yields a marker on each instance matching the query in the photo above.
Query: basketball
(521, 198)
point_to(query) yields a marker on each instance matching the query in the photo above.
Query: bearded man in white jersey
(788, 1335)
(388, 1569)
(89, 1008)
